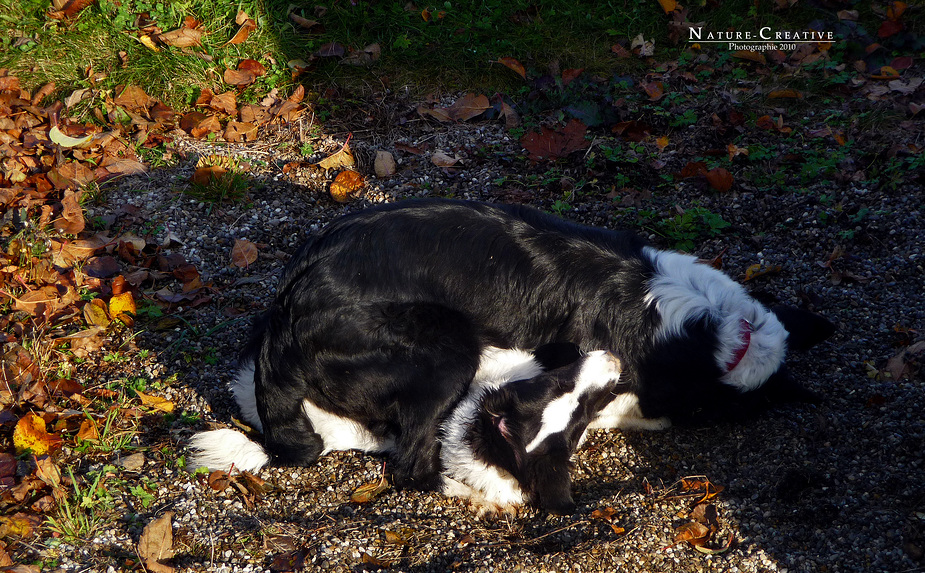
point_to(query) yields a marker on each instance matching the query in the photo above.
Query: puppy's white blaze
(220, 449)
(624, 413)
(683, 289)
(339, 433)
(243, 390)
(599, 369)
(498, 366)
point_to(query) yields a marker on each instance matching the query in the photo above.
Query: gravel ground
(833, 487)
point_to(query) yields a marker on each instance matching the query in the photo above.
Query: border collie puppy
(382, 316)
(507, 442)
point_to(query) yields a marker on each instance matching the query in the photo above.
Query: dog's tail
(220, 449)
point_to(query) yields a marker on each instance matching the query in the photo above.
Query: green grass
(471, 36)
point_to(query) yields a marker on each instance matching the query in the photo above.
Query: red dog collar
(745, 330)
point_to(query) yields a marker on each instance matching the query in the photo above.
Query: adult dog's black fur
(381, 318)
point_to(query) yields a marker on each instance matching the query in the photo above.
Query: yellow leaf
(668, 5)
(155, 402)
(18, 525)
(148, 43)
(122, 307)
(56, 136)
(30, 435)
(758, 270)
(662, 142)
(343, 158)
(95, 313)
(886, 73)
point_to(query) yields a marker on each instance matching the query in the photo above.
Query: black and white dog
(506, 443)
(382, 317)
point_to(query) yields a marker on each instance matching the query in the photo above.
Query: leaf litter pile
(74, 288)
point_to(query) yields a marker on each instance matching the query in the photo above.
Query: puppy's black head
(530, 428)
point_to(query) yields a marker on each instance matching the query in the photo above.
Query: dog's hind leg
(288, 435)
(406, 367)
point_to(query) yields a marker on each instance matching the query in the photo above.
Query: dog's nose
(563, 507)
(615, 362)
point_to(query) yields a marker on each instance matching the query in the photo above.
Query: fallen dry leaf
(511, 117)
(247, 24)
(465, 108)
(343, 158)
(204, 175)
(88, 431)
(30, 435)
(443, 159)
(514, 65)
(182, 37)
(346, 186)
(907, 362)
(96, 314)
(719, 179)
(668, 5)
(252, 66)
(19, 524)
(550, 145)
(155, 546)
(370, 491)
(642, 47)
(751, 56)
(47, 471)
(239, 78)
(156, 402)
(384, 165)
(655, 90)
(785, 94)
(72, 216)
(70, 9)
(237, 132)
(207, 126)
(243, 253)
(693, 533)
(219, 480)
(363, 57)
(304, 23)
(122, 307)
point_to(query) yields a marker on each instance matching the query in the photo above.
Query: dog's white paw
(483, 507)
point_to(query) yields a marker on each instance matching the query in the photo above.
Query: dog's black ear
(556, 354)
(806, 329)
(496, 429)
(783, 387)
